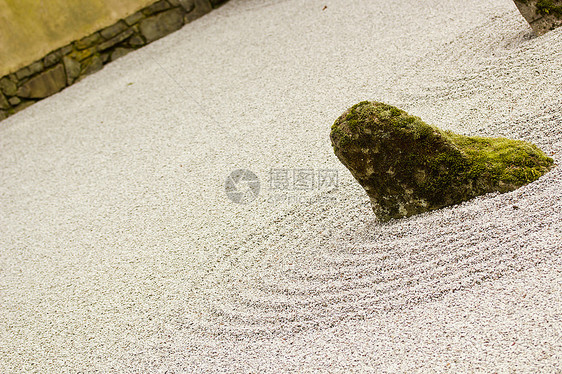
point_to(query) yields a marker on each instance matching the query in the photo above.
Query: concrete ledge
(67, 65)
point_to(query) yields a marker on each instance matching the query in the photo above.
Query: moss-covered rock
(408, 167)
(542, 15)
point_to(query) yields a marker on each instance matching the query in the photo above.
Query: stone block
(14, 101)
(92, 65)
(113, 30)
(4, 104)
(72, 69)
(188, 5)
(8, 87)
(29, 70)
(408, 167)
(83, 54)
(136, 41)
(162, 24)
(66, 49)
(88, 41)
(45, 84)
(120, 52)
(134, 18)
(52, 58)
(23, 105)
(201, 7)
(115, 40)
(158, 7)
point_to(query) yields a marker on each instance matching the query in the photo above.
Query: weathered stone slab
(72, 69)
(201, 7)
(113, 30)
(188, 5)
(408, 167)
(4, 104)
(8, 87)
(45, 84)
(23, 105)
(88, 41)
(52, 58)
(116, 40)
(27, 71)
(162, 24)
(92, 65)
(158, 7)
(120, 52)
(136, 41)
(134, 18)
(542, 15)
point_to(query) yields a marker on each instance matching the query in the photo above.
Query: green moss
(509, 161)
(548, 7)
(343, 138)
(499, 161)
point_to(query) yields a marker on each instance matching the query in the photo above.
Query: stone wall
(69, 64)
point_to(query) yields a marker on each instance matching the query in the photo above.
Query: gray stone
(66, 49)
(113, 30)
(4, 104)
(119, 52)
(162, 24)
(45, 84)
(8, 87)
(201, 7)
(136, 41)
(116, 40)
(92, 65)
(52, 58)
(542, 15)
(158, 7)
(72, 68)
(408, 167)
(88, 41)
(23, 105)
(14, 101)
(29, 70)
(134, 18)
(188, 5)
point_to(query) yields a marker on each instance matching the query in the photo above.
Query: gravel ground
(121, 252)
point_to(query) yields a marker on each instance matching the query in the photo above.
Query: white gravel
(120, 251)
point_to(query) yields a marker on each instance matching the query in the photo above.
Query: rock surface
(44, 84)
(162, 24)
(4, 104)
(542, 15)
(408, 167)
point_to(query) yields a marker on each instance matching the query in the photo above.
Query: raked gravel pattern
(120, 251)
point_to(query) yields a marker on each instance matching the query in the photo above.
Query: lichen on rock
(408, 167)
